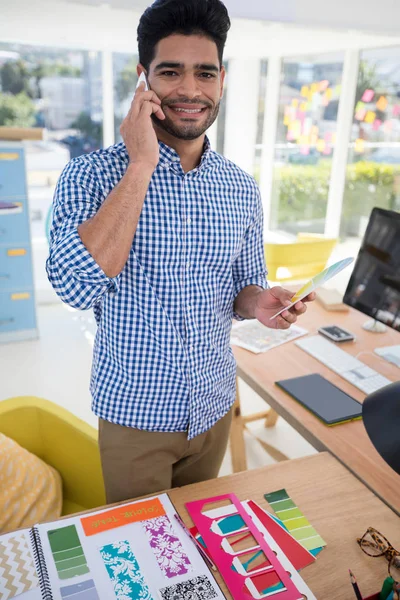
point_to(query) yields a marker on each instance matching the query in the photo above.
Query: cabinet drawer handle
(6, 321)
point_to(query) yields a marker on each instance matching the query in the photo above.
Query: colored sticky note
(305, 91)
(286, 121)
(370, 116)
(328, 136)
(388, 126)
(303, 107)
(368, 95)
(321, 145)
(314, 88)
(67, 551)
(377, 124)
(323, 85)
(122, 515)
(382, 103)
(293, 518)
(359, 145)
(359, 106)
(295, 102)
(305, 150)
(360, 114)
(327, 150)
(396, 110)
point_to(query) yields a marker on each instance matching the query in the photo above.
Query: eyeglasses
(375, 544)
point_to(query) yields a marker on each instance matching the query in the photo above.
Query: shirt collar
(169, 156)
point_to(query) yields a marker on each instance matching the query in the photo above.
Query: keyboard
(389, 353)
(351, 369)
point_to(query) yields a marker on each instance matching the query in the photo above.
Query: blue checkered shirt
(162, 359)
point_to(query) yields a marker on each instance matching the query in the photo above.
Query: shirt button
(191, 348)
(189, 307)
(189, 221)
(188, 265)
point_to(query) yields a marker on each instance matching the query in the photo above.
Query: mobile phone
(142, 78)
(336, 334)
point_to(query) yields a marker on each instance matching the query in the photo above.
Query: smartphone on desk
(336, 334)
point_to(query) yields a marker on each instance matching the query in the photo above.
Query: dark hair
(188, 17)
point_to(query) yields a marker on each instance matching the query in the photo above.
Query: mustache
(187, 101)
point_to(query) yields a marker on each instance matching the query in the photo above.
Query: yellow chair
(299, 260)
(61, 440)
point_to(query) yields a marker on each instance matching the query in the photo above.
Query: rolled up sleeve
(249, 267)
(74, 274)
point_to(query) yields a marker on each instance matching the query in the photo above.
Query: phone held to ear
(142, 78)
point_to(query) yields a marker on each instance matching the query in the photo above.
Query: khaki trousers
(136, 462)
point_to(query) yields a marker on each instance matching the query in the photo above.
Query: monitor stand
(374, 326)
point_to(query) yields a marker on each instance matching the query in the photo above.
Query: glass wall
(60, 90)
(125, 80)
(373, 170)
(260, 118)
(306, 136)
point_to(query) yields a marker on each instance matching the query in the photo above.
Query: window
(373, 170)
(125, 80)
(306, 135)
(62, 91)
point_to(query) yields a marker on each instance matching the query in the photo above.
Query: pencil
(355, 586)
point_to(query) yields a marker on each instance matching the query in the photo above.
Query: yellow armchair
(299, 260)
(61, 440)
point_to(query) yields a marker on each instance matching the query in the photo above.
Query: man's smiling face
(186, 75)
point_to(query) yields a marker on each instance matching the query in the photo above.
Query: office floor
(57, 367)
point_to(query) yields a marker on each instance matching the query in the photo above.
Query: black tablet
(322, 398)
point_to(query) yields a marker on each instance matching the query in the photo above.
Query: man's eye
(207, 75)
(169, 73)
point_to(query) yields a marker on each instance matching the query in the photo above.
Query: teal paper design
(124, 572)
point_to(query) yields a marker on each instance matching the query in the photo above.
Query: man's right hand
(137, 128)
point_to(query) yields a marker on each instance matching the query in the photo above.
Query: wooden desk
(349, 442)
(339, 506)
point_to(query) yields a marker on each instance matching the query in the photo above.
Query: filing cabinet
(17, 297)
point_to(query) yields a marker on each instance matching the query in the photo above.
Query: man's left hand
(271, 301)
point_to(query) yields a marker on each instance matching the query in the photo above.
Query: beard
(188, 129)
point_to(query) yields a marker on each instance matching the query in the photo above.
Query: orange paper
(382, 103)
(122, 515)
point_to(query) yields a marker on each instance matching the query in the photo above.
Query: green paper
(67, 552)
(294, 520)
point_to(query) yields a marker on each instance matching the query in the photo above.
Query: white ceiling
(364, 15)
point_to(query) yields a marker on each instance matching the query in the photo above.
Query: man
(163, 238)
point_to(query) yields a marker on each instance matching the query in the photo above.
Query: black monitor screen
(374, 287)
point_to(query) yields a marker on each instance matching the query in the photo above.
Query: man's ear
(140, 69)
(222, 79)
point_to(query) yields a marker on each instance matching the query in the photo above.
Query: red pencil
(355, 586)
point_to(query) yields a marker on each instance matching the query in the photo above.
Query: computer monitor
(374, 287)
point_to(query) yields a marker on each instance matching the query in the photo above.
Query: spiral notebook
(135, 550)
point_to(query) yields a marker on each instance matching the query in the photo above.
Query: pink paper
(360, 114)
(396, 110)
(377, 124)
(368, 95)
(224, 561)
